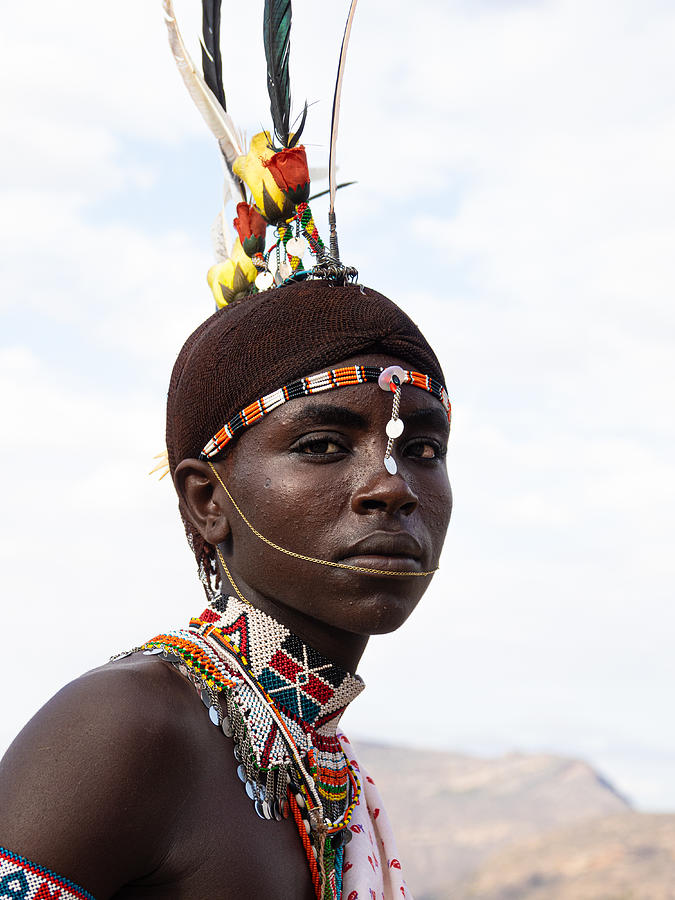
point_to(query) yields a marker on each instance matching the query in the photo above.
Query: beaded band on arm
(22, 878)
(389, 379)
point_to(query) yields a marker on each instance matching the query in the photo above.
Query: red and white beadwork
(19, 877)
(315, 384)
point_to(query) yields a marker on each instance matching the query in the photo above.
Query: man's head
(310, 475)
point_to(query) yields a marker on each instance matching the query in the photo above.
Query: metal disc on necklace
(297, 246)
(241, 774)
(213, 715)
(250, 790)
(394, 428)
(340, 838)
(258, 809)
(153, 652)
(237, 754)
(390, 465)
(264, 280)
(226, 725)
(206, 699)
(267, 810)
(278, 815)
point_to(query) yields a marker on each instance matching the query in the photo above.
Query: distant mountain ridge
(453, 813)
(630, 856)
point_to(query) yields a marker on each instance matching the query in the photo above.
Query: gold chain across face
(321, 562)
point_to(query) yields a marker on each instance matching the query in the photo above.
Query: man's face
(310, 477)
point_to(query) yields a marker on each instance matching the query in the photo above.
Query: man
(121, 786)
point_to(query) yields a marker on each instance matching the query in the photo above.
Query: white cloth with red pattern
(371, 869)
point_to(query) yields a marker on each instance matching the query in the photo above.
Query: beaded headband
(271, 180)
(390, 379)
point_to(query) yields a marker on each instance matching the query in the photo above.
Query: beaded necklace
(280, 701)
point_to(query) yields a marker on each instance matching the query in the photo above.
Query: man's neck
(342, 647)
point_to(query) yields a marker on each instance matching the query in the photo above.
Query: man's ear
(201, 500)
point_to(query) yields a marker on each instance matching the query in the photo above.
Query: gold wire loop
(231, 579)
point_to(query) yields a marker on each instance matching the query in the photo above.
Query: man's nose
(383, 492)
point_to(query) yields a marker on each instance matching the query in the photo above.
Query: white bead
(297, 246)
(284, 271)
(390, 465)
(394, 428)
(264, 280)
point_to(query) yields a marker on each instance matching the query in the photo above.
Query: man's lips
(385, 550)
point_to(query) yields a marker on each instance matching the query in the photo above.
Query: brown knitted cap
(253, 347)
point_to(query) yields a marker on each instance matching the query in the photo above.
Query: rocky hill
(625, 857)
(452, 814)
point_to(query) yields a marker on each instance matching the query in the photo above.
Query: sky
(516, 196)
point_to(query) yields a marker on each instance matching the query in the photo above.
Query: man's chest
(218, 847)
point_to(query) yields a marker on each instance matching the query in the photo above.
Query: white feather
(220, 238)
(219, 121)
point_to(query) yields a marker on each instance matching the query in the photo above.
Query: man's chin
(380, 615)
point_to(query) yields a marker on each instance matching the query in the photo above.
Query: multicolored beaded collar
(281, 702)
(390, 379)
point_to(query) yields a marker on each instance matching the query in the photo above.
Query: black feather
(277, 39)
(212, 64)
(301, 127)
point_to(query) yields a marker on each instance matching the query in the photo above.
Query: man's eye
(425, 450)
(319, 447)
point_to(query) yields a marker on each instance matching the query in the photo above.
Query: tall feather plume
(332, 185)
(336, 106)
(212, 64)
(219, 121)
(277, 40)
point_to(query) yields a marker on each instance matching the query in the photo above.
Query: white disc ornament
(387, 374)
(394, 428)
(284, 271)
(390, 465)
(264, 281)
(297, 246)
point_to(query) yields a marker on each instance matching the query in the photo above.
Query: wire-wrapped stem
(334, 249)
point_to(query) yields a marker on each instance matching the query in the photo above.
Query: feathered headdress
(270, 181)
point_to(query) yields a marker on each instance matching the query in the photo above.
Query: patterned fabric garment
(20, 879)
(371, 868)
(281, 701)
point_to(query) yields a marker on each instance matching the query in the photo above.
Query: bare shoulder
(103, 759)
